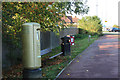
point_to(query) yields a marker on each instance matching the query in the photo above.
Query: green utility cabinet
(31, 45)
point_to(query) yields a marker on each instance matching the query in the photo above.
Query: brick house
(75, 21)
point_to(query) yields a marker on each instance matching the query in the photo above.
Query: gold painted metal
(31, 45)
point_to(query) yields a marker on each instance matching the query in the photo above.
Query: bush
(90, 25)
(82, 31)
(80, 36)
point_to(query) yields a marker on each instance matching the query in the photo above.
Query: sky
(107, 10)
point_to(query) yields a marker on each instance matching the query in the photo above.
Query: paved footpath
(99, 60)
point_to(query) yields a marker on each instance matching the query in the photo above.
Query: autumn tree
(48, 14)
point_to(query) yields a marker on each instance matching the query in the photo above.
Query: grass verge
(54, 66)
(51, 68)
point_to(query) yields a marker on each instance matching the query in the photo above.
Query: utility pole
(96, 7)
(119, 14)
(106, 21)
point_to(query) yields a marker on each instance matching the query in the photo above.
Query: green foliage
(91, 25)
(81, 36)
(55, 65)
(48, 14)
(51, 70)
(82, 31)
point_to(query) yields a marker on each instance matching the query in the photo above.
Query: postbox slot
(37, 35)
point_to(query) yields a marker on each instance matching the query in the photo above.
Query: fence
(69, 31)
(49, 40)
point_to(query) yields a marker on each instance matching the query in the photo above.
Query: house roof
(66, 19)
(70, 18)
(75, 19)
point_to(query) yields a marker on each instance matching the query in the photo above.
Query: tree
(91, 24)
(48, 14)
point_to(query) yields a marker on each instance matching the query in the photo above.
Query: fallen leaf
(43, 75)
(77, 61)
(68, 74)
(60, 68)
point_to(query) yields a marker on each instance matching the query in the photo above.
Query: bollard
(31, 50)
(89, 38)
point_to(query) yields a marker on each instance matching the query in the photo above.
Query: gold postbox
(31, 45)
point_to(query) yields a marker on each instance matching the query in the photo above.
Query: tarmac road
(99, 60)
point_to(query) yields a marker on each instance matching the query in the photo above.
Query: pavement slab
(99, 60)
